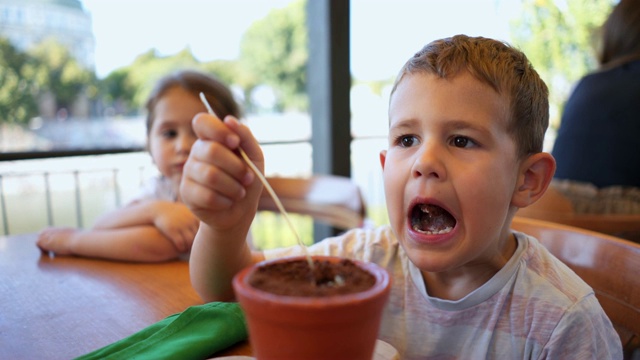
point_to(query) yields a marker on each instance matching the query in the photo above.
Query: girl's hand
(177, 223)
(57, 240)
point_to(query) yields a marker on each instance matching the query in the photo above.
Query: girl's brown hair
(504, 68)
(218, 94)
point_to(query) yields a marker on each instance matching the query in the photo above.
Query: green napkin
(195, 333)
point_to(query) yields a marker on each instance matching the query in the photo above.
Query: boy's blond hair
(504, 68)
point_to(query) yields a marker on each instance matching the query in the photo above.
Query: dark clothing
(599, 137)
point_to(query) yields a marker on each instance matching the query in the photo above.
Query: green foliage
(46, 68)
(118, 91)
(17, 91)
(274, 52)
(55, 70)
(560, 38)
(228, 72)
(148, 68)
(270, 230)
(128, 88)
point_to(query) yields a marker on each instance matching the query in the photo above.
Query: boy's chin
(428, 261)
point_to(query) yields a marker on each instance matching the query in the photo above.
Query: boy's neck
(456, 284)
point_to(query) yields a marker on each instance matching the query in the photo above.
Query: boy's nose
(429, 162)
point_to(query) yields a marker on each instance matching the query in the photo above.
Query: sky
(384, 32)
(212, 29)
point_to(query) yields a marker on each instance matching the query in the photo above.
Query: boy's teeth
(440, 232)
(432, 220)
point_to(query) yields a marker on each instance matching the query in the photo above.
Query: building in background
(29, 22)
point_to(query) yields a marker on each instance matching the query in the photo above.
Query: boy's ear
(534, 177)
(383, 158)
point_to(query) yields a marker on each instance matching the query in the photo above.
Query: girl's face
(171, 136)
(450, 173)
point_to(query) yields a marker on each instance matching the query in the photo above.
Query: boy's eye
(407, 140)
(462, 142)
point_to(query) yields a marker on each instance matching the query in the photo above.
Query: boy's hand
(217, 185)
(177, 223)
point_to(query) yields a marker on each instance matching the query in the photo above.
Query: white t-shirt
(535, 307)
(156, 188)
(160, 188)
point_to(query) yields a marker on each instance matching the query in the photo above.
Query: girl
(156, 225)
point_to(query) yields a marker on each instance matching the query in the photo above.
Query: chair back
(555, 207)
(610, 265)
(618, 225)
(334, 200)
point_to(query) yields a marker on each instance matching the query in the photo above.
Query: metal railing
(269, 229)
(47, 191)
(46, 201)
(80, 192)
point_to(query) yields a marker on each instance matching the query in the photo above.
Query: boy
(467, 118)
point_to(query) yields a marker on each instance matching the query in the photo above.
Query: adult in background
(597, 148)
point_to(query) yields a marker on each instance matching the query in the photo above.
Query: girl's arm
(172, 219)
(135, 243)
(128, 215)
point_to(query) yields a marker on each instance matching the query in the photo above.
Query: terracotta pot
(292, 327)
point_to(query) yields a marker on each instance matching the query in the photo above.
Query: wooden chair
(554, 207)
(622, 226)
(610, 265)
(334, 200)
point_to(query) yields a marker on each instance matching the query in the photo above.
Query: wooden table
(63, 307)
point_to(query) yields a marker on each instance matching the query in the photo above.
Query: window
(127, 45)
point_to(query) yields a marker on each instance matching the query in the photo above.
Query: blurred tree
(17, 91)
(54, 70)
(117, 91)
(126, 89)
(149, 67)
(274, 52)
(232, 74)
(227, 71)
(560, 37)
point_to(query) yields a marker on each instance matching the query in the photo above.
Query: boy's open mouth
(431, 219)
